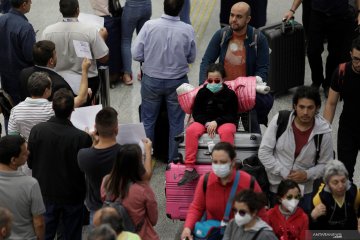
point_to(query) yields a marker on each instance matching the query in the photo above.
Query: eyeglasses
(217, 80)
(289, 197)
(241, 212)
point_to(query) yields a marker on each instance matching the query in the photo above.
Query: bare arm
(81, 98)
(289, 14)
(39, 226)
(148, 163)
(330, 105)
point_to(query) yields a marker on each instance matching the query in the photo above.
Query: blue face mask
(214, 87)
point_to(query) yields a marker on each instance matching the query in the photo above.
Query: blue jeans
(71, 216)
(133, 17)
(185, 12)
(153, 90)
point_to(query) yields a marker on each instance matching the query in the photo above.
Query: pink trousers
(196, 130)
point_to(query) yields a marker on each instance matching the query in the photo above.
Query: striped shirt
(27, 114)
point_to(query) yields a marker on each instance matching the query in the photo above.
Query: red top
(216, 198)
(293, 228)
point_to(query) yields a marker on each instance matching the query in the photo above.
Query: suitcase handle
(288, 27)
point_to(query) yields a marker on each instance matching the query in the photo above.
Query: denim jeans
(72, 220)
(185, 12)
(133, 17)
(153, 90)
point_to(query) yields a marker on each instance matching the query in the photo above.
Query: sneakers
(189, 176)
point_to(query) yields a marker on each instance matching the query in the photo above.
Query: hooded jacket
(233, 231)
(277, 156)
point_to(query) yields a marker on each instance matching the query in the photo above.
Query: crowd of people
(54, 178)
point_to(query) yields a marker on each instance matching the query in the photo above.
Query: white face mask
(290, 205)
(242, 220)
(221, 170)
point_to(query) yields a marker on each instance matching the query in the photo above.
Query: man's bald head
(109, 215)
(243, 7)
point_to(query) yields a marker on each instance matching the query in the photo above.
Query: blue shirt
(165, 46)
(17, 38)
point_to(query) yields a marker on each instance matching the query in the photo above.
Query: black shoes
(189, 176)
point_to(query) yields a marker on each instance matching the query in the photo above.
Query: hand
(148, 145)
(186, 234)
(211, 128)
(318, 211)
(103, 33)
(86, 63)
(288, 15)
(299, 176)
(94, 136)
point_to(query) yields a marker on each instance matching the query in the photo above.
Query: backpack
(127, 221)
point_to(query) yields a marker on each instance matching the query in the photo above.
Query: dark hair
(17, 3)
(356, 44)
(102, 232)
(216, 67)
(308, 92)
(10, 146)
(106, 121)
(113, 219)
(173, 7)
(285, 186)
(128, 168)
(68, 8)
(63, 103)
(43, 51)
(227, 147)
(37, 84)
(254, 200)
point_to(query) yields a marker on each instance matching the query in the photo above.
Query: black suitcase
(287, 55)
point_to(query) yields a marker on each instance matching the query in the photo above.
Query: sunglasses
(217, 80)
(289, 197)
(241, 212)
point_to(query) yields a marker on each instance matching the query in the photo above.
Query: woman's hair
(227, 147)
(285, 186)
(128, 168)
(332, 168)
(254, 200)
(216, 67)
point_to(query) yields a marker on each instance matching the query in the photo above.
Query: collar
(74, 19)
(17, 12)
(168, 17)
(47, 68)
(55, 119)
(36, 100)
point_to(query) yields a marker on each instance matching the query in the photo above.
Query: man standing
(165, 46)
(292, 154)
(345, 84)
(17, 37)
(20, 193)
(330, 20)
(64, 33)
(54, 146)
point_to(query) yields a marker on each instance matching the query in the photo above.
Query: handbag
(214, 229)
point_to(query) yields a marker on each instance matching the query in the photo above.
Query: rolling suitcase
(287, 55)
(178, 199)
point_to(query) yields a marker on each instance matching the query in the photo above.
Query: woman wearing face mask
(289, 222)
(337, 201)
(246, 224)
(220, 180)
(215, 110)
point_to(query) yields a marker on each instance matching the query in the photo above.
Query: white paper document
(82, 49)
(131, 133)
(92, 19)
(84, 118)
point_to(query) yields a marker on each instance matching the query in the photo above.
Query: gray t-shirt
(22, 196)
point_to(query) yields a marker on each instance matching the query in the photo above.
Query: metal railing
(104, 86)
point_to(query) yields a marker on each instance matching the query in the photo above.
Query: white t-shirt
(101, 7)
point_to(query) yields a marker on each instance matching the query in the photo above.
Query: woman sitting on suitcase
(215, 110)
(211, 198)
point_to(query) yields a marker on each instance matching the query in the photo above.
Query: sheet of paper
(82, 49)
(73, 80)
(84, 118)
(92, 19)
(131, 133)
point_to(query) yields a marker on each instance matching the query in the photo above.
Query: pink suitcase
(178, 199)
